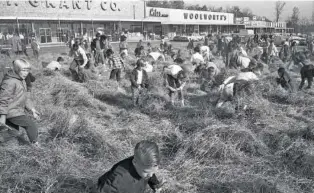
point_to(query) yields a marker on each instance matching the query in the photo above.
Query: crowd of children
(135, 173)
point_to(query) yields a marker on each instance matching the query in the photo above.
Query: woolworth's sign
(189, 17)
(204, 16)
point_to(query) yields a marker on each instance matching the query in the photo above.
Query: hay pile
(87, 127)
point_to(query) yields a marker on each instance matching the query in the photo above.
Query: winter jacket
(123, 178)
(93, 44)
(16, 44)
(134, 76)
(13, 96)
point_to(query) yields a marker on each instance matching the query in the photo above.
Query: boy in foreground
(132, 174)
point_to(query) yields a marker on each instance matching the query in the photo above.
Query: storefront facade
(54, 21)
(187, 22)
(264, 26)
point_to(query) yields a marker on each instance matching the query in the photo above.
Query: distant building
(186, 22)
(261, 26)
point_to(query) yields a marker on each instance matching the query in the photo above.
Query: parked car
(180, 39)
(195, 37)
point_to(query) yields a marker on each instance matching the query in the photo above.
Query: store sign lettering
(197, 16)
(75, 4)
(154, 13)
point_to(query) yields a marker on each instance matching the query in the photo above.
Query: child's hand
(36, 114)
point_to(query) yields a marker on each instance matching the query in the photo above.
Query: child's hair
(123, 54)
(197, 49)
(19, 64)
(60, 59)
(281, 70)
(75, 45)
(179, 61)
(148, 44)
(147, 153)
(140, 63)
(109, 52)
(103, 37)
(181, 75)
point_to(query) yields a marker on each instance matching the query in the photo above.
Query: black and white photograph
(141, 96)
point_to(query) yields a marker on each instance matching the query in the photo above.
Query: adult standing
(97, 48)
(16, 44)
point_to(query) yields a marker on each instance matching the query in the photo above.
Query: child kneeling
(134, 173)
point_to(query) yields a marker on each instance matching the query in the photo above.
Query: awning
(74, 19)
(185, 23)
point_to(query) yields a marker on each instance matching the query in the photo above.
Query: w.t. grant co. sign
(180, 16)
(73, 9)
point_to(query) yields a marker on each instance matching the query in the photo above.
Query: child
(132, 174)
(307, 72)
(232, 86)
(14, 100)
(56, 65)
(190, 45)
(123, 45)
(197, 58)
(79, 62)
(35, 47)
(285, 80)
(140, 52)
(139, 81)
(175, 80)
(149, 47)
(116, 64)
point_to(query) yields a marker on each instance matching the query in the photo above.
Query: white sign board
(191, 17)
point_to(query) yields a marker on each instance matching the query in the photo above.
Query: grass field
(86, 128)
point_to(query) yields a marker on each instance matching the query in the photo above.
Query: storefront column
(82, 29)
(93, 29)
(33, 29)
(18, 25)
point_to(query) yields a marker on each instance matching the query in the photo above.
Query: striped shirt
(116, 62)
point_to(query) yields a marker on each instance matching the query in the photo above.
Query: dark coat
(13, 96)
(134, 76)
(123, 178)
(93, 44)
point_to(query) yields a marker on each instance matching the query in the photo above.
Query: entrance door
(45, 35)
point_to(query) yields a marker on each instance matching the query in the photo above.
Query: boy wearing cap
(132, 174)
(14, 100)
(139, 81)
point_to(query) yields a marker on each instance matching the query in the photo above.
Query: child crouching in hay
(133, 174)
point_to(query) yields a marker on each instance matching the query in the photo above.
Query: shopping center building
(262, 26)
(186, 22)
(52, 21)
(55, 21)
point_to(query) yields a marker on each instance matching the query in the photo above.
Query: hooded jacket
(13, 96)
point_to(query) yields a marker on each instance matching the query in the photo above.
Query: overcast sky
(262, 8)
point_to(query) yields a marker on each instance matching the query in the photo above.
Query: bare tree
(279, 8)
